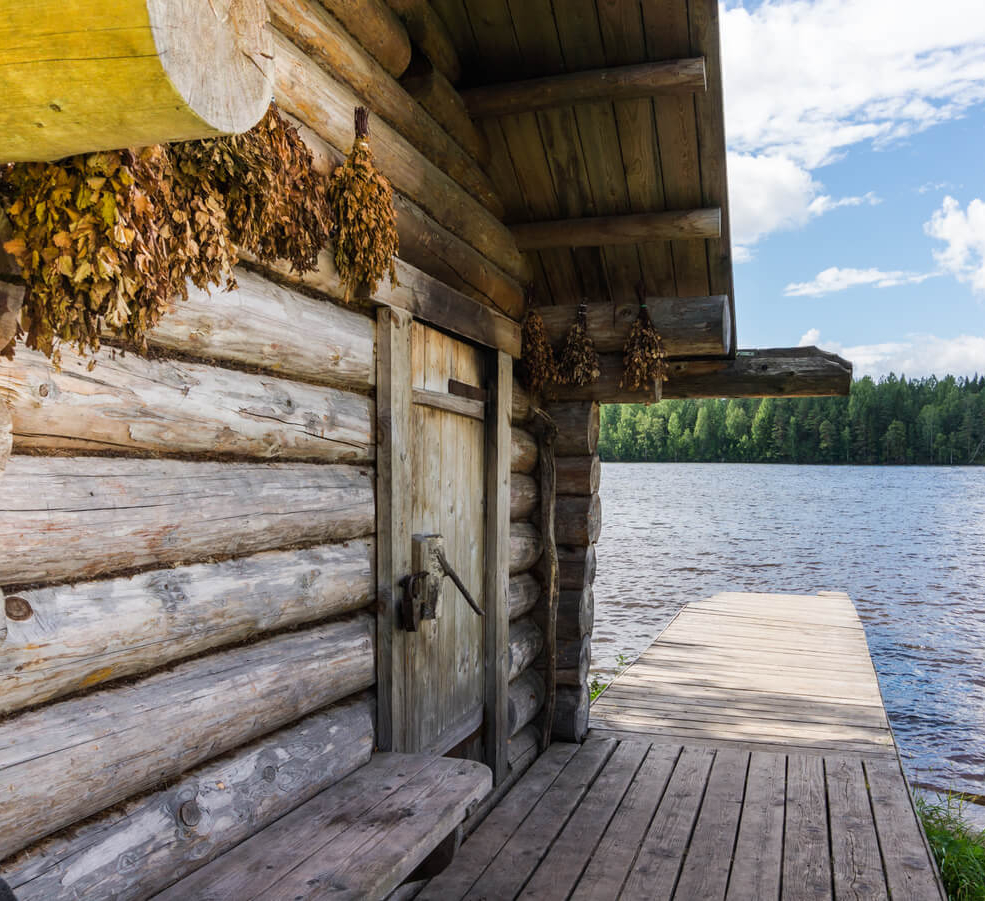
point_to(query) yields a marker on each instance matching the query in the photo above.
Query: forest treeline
(894, 420)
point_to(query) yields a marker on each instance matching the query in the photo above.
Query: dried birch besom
(579, 363)
(276, 203)
(365, 235)
(644, 358)
(537, 357)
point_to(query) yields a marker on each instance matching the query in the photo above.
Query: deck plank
(806, 859)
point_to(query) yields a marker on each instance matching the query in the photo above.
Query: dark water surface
(906, 543)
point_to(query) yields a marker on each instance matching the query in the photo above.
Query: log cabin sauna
(291, 601)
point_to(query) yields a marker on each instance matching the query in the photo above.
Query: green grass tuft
(958, 846)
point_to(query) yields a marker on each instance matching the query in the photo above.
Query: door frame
(394, 506)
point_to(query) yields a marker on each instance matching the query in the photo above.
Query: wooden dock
(745, 755)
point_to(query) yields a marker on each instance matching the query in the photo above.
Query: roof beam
(689, 326)
(636, 228)
(778, 372)
(676, 76)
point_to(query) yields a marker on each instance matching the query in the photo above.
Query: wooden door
(444, 659)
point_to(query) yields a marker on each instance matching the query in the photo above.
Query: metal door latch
(422, 589)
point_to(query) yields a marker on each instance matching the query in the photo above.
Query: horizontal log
(631, 228)
(378, 30)
(74, 518)
(523, 451)
(429, 34)
(126, 740)
(178, 829)
(525, 547)
(323, 38)
(575, 614)
(571, 713)
(524, 496)
(673, 76)
(578, 426)
(129, 403)
(265, 325)
(129, 73)
(780, 372)
(578, 519)
(523, 744)
(578, 475)
(523, 595)
(438, 96)
(525, 642)
(688, 326)
(576, 657)
(6, 435)
(76, 636)
(520, 404)
(576, 567)
(308, 92)
(526, 697)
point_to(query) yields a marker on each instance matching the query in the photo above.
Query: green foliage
(958, 847)
(924, 421)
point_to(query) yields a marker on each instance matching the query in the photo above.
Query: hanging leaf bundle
(365, 235)
(276, 203)
(97, 246)
(644, 358)
(536, 357)
(579, 363)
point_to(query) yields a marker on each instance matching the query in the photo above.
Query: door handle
(422, 589)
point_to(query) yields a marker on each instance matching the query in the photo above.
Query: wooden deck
(746, 755)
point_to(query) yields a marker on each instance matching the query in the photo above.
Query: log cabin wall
(189, 577)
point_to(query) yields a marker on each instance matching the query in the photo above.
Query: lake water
(906, 543)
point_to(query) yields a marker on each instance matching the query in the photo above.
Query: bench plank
(358, 839)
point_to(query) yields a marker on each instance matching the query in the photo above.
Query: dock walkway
(745, 755)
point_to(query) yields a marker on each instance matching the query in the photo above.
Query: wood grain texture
(629, 228)
(526, 547)
(526, 697)
(110, 740)
(578, 475)
(324, 39)
(359, 839)
(428, 33)
(129, 73)
(575, 613)
(776, 372)
(79, 518)
(265, 325)
(576, 567)
(579, 519)
(378, 30)
(128, 403)
(674, 76)
(81, 635)
(6, 435)
(524, 592)
(524, 496)
(438, 96)
(520, 406)
(523, 451)
(525, 643)
(688, 326)
(578, 427)
(571, 713)
(308, 92)
(236, 795)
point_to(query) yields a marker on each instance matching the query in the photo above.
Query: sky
(856, 138)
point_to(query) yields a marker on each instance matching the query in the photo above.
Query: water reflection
(908, 545)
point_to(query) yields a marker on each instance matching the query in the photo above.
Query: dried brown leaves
(644, 358)
(537, 358)
(361, 199)
(108, 240)
(579, 363)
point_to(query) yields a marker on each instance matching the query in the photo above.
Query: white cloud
(806, 80)
(834, 278)
(810, 338)
(776, 193)
(915, 357)
(964, 234)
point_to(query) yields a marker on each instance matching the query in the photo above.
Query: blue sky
(856, 133)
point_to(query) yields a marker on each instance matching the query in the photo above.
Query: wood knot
(190, 813)
(17, 608)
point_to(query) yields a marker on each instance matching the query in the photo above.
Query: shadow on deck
(746, 755)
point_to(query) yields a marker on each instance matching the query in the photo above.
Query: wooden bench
(358, 839)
